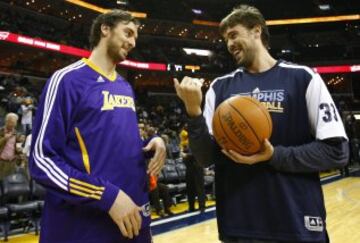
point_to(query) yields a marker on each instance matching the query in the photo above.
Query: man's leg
(200, 187)
(190, 187)
(155, 200)
(164, 194)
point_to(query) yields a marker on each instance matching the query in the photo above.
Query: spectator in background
(150, 131)
(10, 156)
(351, 131)
(159, 191)
(174, 143)
(168, 146)
(194, 180)
(27, 108)
(26, 152)
(15, 99)
(142, 131)
(184, 137)
(194, 173)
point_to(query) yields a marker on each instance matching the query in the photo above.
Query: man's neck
(263, 62)
(100, 58)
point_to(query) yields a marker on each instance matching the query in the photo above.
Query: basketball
(241, 124)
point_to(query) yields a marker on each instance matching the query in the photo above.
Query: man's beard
(247, 58)
(113, 51)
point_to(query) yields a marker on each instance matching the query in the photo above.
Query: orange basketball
(241, 124)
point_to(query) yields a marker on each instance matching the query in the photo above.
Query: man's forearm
(202, 145)
(312, 157)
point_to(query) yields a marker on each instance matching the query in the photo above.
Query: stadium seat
(16, 192)
(179, 160)
(181, 169)
(169, 162)
(4, 218)
(170, 173)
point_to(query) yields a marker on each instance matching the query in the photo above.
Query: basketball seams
(227, 135)
(257, 138)
(268, 118)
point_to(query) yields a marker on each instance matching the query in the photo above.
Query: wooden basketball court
(342, 199)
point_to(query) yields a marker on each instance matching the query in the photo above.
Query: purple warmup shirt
(86, 147)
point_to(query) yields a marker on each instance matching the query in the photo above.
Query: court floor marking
(185, 215)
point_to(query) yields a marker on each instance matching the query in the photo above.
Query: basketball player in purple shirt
(87, 150)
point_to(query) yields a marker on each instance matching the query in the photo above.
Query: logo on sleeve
(314, 223)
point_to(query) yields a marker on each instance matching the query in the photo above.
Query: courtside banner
(42, 44)
(338, 69)
(52, 46)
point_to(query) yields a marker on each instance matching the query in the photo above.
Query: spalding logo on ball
(241, 124)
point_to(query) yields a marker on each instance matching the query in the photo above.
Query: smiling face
(242, 44)
(120, 40)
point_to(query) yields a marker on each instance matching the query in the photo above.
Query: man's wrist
(193, 112)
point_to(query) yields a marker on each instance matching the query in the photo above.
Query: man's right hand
(189, 91)
(126, 214)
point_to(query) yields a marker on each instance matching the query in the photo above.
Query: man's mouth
(237, 53)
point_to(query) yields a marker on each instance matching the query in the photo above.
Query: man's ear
(257, 30)
(105, 30)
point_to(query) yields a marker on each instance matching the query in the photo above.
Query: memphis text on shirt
(112, 101)
(271, 99)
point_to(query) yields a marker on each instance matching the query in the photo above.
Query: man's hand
(157, 162)
(7, 136)
(264, 154)
(189, 91)
(126, 214)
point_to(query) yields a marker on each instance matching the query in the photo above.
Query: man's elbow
(341, 158)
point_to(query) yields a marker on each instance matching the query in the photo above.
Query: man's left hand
(157, 162)
(264, 154)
